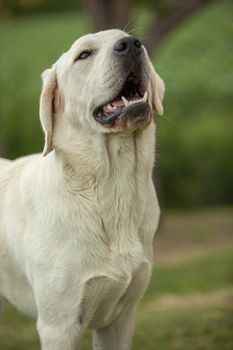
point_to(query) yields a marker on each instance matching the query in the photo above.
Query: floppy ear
(48, 104)
(158, 89)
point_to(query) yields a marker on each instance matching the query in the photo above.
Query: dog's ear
(49, 105)
(158, 89)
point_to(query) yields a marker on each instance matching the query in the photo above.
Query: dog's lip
(133, 91)
(110, 112)
(133, 112)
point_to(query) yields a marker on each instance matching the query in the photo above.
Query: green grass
(193, 329)
(199, 274)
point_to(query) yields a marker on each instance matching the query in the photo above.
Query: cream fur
(77, 224)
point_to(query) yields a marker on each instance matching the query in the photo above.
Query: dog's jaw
(129, 107)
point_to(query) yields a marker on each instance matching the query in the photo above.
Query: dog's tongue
(117, 103)
(120, 103)
(110, 107)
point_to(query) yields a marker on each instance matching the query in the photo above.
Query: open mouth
(131, 93)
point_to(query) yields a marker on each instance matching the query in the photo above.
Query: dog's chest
(117, 258)
(105, 297)
(108, 293)
(101, 300)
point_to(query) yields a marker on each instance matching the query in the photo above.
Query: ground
(189, 302)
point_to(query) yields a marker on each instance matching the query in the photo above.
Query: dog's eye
(83, 55)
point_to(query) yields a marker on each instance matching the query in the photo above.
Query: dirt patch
(181, 235)
(197, 301)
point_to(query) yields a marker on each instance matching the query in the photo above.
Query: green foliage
(194, 138)
(28, 47)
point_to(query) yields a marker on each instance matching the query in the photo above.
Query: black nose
(127, 46)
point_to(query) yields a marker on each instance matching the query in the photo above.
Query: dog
(77, 222)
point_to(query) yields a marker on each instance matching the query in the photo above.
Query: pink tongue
(117, 103)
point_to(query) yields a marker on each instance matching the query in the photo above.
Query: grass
(188, 304)
(201, 274)
(196, 328)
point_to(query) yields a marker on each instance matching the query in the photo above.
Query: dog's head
(105, 82)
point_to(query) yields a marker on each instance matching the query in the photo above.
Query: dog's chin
(131, 117)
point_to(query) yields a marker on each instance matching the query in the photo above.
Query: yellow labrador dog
(77, 223)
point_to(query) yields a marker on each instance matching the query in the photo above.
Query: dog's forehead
(86, 42)
(99, 38)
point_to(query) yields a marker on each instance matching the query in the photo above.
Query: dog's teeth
(109, 106)
(125, 101)
(144, 99)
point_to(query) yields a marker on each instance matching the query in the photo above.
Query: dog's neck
(118, 168)
(104, 153)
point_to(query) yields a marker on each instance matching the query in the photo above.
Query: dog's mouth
(131, 98)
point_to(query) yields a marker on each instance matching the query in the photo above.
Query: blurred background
(188, 304)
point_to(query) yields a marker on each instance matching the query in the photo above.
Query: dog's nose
(127, 46)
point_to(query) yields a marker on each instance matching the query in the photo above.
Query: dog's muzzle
(130, 105)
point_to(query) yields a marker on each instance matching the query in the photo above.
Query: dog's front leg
(118, 335)
(59, 324)
(60, 336)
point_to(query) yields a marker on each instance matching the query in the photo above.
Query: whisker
(125, 29)
(170, 120)
(133, 30)
(142, 37)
